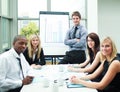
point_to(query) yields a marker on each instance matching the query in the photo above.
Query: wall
(108, 20)
(92, 16)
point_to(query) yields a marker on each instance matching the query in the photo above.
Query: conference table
(53, 73)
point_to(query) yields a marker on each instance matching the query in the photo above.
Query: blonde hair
(30, 47)
(114, 50)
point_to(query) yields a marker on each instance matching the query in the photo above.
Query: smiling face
(76, 17)
(106, 48)
(90, 43)
(35, 42)
(20, 44)
(76, 20)
(93, 43)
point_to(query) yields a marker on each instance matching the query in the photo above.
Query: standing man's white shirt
(10, 71)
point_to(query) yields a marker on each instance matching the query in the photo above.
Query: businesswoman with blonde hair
(34, 53)
(109, 69)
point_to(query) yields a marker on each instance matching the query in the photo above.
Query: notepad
(70, 85)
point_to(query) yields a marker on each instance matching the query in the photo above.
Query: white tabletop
(53, 72)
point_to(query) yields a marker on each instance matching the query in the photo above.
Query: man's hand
(27, 80)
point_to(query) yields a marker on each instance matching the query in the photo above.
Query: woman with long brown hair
(109, 69)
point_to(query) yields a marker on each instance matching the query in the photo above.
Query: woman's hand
(70, 68)
(36, 66)
(75, 80)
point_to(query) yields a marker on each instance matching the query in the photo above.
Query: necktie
(20, 66)
(75, 30)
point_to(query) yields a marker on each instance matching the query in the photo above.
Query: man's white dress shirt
(10, 71)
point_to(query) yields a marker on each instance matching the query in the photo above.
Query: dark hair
(96, 39)
(76, 13)
(17, 37)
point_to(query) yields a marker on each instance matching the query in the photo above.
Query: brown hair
(76, 13)
(96, 40)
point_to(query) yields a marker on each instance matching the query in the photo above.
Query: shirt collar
(12, 50)
(78, 26)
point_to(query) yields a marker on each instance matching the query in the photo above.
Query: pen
(67, 79)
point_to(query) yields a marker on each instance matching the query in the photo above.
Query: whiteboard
(53, 28)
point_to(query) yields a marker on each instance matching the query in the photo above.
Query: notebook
(70, 85)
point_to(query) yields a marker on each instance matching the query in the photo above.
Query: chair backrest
(118, 54)
(6, 49)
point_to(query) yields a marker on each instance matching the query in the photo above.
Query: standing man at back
(14, 69)
(76, 40)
